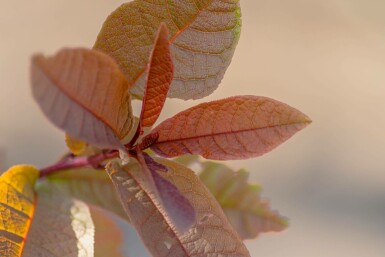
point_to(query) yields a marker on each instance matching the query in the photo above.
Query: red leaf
(177, 207)
(238, 127)
(83, 92)
(159, 78)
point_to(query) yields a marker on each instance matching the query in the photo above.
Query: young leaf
(159, 79)
(238, 127)
(88, 185)
(17, 207)
(84, 93)
(248, 213)
(61, 226)
(212, 234)
(203, 37)
(79, 147)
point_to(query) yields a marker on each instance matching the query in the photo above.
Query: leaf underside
(238, 127)
(203, 37)
(179, 210)
(84, 93)
(211, 235)
(61, 226)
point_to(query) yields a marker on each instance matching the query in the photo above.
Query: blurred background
(326, 58)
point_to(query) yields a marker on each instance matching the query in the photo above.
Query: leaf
(84, 93)
(212, 235)
(187, 160)
(17, 207)
(88, 185)
(61, 226)
(248, 213)
(238, 127)
(109, 237)
(177, 207)
(159, 79)
(80, 148)
(203, 37)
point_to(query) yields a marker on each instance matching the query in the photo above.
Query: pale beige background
(327, 58)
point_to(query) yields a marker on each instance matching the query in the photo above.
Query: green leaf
(89, 185)
(241, 201)
(203, 37)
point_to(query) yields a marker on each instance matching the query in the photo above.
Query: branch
(71, 161)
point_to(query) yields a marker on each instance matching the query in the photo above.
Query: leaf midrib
(226, 133)
(42, 65)
(171, 40)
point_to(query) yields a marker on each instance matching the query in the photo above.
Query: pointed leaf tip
(234, 128)
(159, 78)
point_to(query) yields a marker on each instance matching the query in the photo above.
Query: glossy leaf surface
(159, 78)
(238, 127)
(203, 37)
(212, 235)
(17, 207)
(241, 201)
(84, 93)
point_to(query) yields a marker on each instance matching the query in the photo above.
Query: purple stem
(72, 161)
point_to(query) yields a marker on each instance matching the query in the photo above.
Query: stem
(71, 161)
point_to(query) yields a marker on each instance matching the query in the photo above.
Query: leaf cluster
(148, 51)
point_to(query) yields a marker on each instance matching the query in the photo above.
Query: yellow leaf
(76, 146)
(17, 206)
(79, 147)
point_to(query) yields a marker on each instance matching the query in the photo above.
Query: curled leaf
(17, 207)
(212, 234)
(241, 201)
(159, 77)
(238, 127)
(203, 37)
(84, 93)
